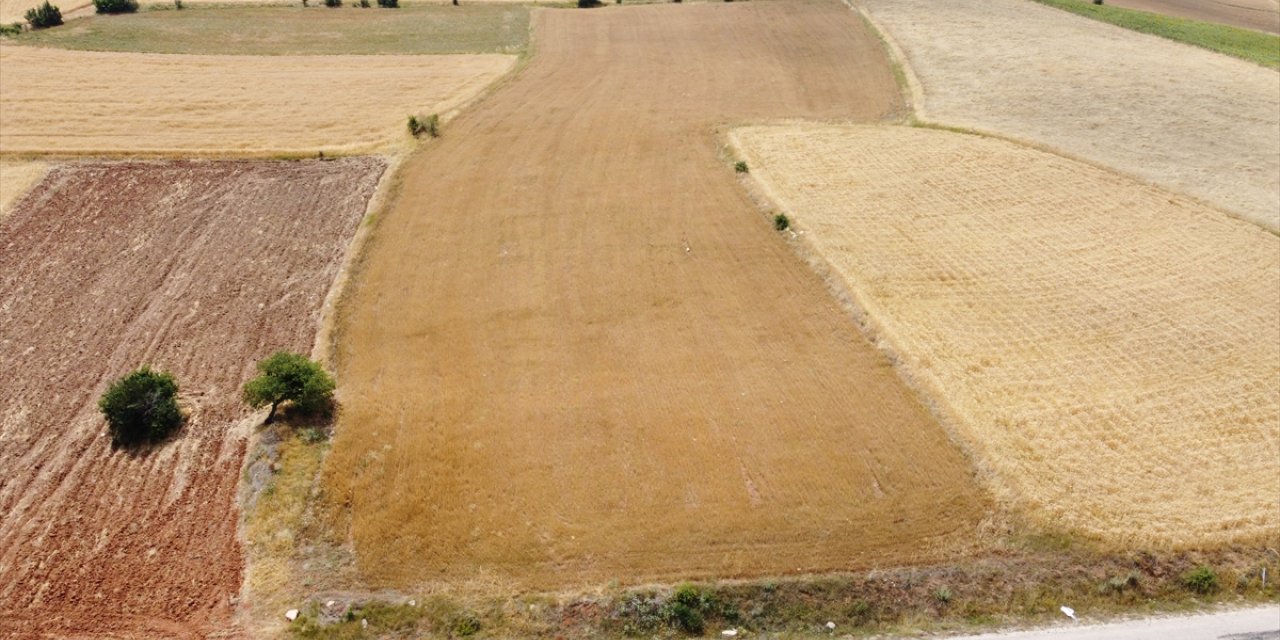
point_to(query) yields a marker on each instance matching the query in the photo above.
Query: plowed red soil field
(198, 268)
(577, 352)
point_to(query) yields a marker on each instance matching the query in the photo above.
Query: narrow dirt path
(576, 352)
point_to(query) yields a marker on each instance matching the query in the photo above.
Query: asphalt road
(1244, 624)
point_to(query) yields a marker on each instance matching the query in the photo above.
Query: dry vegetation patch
(15, 179)
(84, 102)
(1190, 120)
(1106, 349)
(197, 268)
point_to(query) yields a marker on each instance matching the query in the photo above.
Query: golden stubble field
(1107, 350)
(15, 179)
(1186, 119)
(89, 102)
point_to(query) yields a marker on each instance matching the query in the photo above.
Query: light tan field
(15, 179)
(1106, 349)
(575, 351)
(88, 102)
(1187, 119)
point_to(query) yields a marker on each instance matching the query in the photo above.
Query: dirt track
(1189, 120)
(577, 352)
(197, 268)
(1261, 15)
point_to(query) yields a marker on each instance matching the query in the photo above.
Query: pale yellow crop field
(89, 102)
(1187, 119)
(1107, 351)
(15, 179)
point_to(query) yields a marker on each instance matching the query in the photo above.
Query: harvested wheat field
(15, 179)
(1189, 120)
(199, 268)
(1106, 349)
(89, 102)
(576, 352)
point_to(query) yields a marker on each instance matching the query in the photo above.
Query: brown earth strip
(1261, 15)
(200, 268)
(576, 351)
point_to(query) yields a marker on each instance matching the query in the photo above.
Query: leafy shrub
(141, 407)
(741, 166)
(289, 377)
(781, 222)
(389, 4)
(587, 4)
(332, 4)
(1201, 580)
(115, 6)
(12, 29)
(44, 16)
(364, 4)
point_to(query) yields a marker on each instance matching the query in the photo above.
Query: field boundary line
(898, 58)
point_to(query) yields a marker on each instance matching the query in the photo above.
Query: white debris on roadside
(729, 632)
(1069, 612)
(291, 615)
(831, 625)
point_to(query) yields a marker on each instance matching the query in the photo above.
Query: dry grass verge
(1187, 119)
(1105, 349)
(82, 102)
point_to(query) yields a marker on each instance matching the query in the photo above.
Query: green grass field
(294, 30)
(1254, 46)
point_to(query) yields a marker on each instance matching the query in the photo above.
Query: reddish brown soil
(577, 352)
(1260, 15)
(198, 268)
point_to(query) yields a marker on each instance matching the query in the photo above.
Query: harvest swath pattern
(1106, 349)
(1187, 119)
(576, 353)
(76, 101)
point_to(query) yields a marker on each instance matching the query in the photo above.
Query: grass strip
(1253, 46)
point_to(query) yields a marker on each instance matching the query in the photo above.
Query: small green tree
(141, 407)
(289, 377)
(44, 16)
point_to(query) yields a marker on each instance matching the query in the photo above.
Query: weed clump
(333, 4)
(429, 125)
(781, 222)
(741, 166)
(687, 610)
(44, 16)
(389, 4)
(1202, 580)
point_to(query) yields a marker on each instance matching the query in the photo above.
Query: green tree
(289, 377)
(141, 407)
